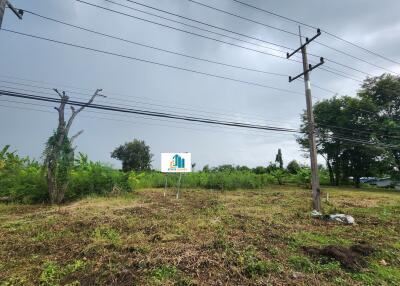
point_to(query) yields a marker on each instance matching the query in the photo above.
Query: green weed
(108, 235)
(301, 263)
(52, 273)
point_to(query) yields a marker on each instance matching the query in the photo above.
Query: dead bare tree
(59, 153)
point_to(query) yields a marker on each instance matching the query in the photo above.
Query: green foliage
(253, 266)
(89, 178)
(304, 177)
(279, 159)
(52, 273)
(163, 273)
(59, 159)
(22, 179)
(107, 235)
(372, 116)
(279, 175)
(134, 155)
(293, 167)
(301, 263)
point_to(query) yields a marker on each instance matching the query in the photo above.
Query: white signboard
(176, 162)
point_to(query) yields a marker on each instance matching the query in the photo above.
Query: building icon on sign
(177, 162)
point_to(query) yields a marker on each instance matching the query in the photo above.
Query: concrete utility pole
(3, 5)
(316, 199)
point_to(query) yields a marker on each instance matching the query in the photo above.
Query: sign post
(176, 163)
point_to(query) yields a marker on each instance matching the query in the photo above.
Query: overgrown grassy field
(246, 237)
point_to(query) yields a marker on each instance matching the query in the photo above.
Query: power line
(313, 27)
(222, 115)
(178, 117)
(180, 30)
(358, 131)
(195, 34)
(202, 23)
(227, 30)
(288, 32)
(226, 128)
(330, 69)
(122, 97)
(150, 113)
(152, 47)
(150, 62)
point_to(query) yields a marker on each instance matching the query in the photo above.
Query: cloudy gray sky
(30, 65)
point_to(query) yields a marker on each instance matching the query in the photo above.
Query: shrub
(22, 179)
(94, 178)
(293, 167)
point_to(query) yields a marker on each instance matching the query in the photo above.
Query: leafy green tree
(279, 159)
(260, 170)
(346, 138)
(293, 167)
(384, 93)
(206, 169)
(279, 175)
(135, 156)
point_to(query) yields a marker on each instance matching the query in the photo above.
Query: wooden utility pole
(3, 5)
(316, 196)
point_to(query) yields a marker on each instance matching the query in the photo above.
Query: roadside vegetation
(24, 180)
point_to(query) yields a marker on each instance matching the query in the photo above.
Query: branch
(75, 136)
(75, 113)
(59, 94)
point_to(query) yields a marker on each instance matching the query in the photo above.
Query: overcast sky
(29, 65)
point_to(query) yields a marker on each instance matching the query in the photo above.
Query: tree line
(359, 136)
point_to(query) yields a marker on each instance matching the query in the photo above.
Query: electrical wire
(123, 97)
(179, 117)
(217, 129)
(195, 34)
(181, 30)
(288, 32)
(151, 47)
(150, 61)
(313, 27)
(227, 30)
(149, 113)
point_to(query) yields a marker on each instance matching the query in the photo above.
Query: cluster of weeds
(254, 266)
(52, 273)
(107, 235)
(378, 275)
(14, 281)
(163, 274)
(300, 263)
(221, 241)
(50, 235)
(306, 238)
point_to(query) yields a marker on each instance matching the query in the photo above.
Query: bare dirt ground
(248, 237)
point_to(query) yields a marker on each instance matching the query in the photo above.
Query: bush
(95, 178)
(293, 167)
(22, 179)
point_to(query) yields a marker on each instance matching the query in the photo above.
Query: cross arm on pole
(289, 55)
(310, 68)
(17, 12)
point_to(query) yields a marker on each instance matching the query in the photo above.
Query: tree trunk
(51, 185)
(357, 181)
(57, 147)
